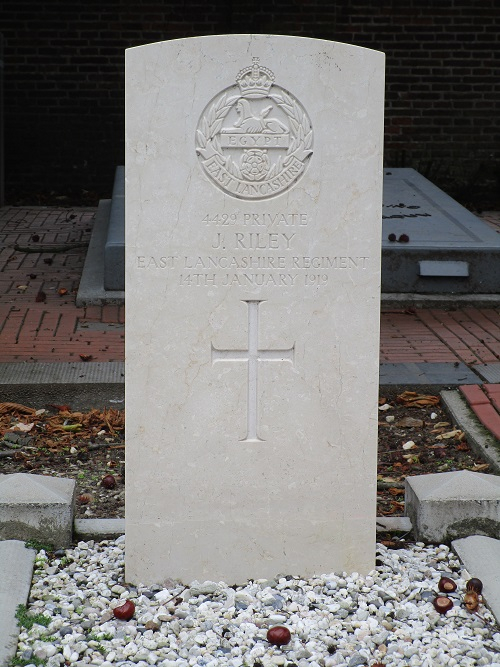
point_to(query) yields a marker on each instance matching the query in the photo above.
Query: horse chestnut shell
(279, 635)
(125, 612)
(471, 600)
(447, 585)
(108, 482)
(442, 604)
(474, 585)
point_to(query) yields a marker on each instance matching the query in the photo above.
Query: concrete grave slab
(450, 505)
(35, 507)
(16, 566)
(480, 556)
(438, 374)
(114, 249)
(253, 201)
(83, 385)
(447, 248)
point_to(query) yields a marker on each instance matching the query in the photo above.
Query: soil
(90, 448)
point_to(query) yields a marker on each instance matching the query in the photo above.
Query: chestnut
(125, 612)
(447, 585)
(108, 482)
(279, 635)
(442, 604)
(474, 585)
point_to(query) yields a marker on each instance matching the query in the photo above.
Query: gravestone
(437, 246)
(253, 202)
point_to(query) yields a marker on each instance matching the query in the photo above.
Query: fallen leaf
(71, 427)
(411, 398)
(85, 498)
(463, 447)
(85, 357)
(410, 422)
(382, 400)
(60, 408)
(24, 428)
(456, 433)
(62, 291)
(22, 287)
(395, 492)
(480, 466)
(441, 424)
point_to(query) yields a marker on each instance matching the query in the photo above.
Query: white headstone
(254, 189)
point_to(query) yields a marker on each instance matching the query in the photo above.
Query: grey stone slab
(36, 507)
(413, 205)
(438, 230)
(447, 506)
(452, 300)
(63, 373)
(16, 566)
(478, 437)
(91, 290)
(80, 385)
(114, 249)
(489, 372)
(480, 556)
(98, 529)
(443, 374)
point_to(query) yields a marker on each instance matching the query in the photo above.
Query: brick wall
(64, 79)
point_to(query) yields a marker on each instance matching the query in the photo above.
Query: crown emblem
(255, 80)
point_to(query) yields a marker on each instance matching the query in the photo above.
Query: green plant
(27, 620)
(22, 662)
(38, 546)
(99, 637)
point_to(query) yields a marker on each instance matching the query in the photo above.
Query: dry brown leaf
(17, 407)
(410, 422)
(456, 433)
(480, 467)
(411, 398)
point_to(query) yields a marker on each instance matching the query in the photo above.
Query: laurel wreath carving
(208, 143)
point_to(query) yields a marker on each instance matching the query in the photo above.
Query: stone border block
(447, 506)
(36, 507)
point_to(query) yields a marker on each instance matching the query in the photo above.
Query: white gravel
(335, 619)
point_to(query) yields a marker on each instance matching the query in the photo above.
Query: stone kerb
(447, 506)
(36, 507)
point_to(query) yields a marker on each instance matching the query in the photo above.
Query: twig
(49, 248)
(9, 452)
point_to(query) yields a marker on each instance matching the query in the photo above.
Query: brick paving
(38, 317)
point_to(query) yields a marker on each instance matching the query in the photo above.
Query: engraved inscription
(252, 355)
(258, 219)
(254, 140)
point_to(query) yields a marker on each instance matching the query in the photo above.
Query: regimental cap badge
(254, 139)
(255, 80)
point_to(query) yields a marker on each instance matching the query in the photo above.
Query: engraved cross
(253, 355)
